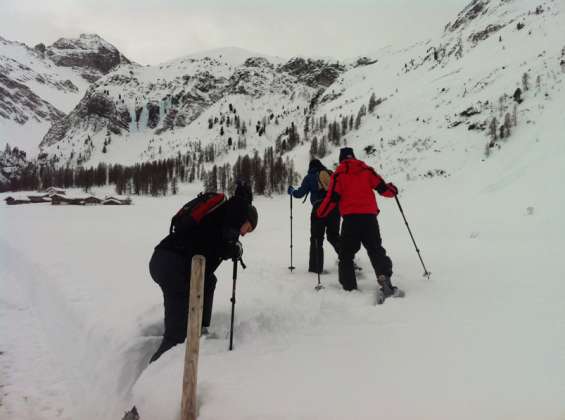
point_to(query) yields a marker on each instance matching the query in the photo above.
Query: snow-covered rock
(90, 54)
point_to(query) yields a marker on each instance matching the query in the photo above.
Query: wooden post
(195, 303)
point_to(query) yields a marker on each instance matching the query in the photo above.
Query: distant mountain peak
(89, 52)
(84, 42)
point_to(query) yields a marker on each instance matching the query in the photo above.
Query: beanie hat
(252, 216)
(344, 152)
(315, 164)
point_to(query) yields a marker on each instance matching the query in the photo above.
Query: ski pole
(319, 286)
(291, 267)
(426, 272)
(233, 297)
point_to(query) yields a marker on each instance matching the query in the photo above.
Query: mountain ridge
(464, 81)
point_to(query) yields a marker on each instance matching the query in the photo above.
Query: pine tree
(526, 82)
(344, 124)
(322, 147)
(314, 148)
(493, 127)
(358, 120)
(507, 124)
(372, 102)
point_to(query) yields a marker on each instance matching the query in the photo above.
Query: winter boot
(387, 289)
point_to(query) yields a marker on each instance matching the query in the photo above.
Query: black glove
(235, 250)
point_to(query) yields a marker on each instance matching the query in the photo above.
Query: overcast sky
(153, 31)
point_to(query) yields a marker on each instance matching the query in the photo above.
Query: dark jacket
(214, 237)
(352, 185)
(310, 185)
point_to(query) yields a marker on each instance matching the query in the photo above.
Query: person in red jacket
(351, 188)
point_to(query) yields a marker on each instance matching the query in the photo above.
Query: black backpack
(194, 211)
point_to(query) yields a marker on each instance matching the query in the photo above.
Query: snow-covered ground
(483, 339)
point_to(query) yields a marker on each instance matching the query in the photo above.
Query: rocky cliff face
(314, 73)
(20, 104)
(89, 53)
(96, 110)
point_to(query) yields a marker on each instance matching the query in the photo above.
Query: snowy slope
(40, 85)
(419, 127)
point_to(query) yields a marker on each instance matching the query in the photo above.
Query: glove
(392, 188)
(290, 190)
(236, 250)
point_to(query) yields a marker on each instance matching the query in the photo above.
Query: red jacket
(352, 185)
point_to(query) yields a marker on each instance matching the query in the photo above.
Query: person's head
(346, 153)
(250, 221)
(315, 164)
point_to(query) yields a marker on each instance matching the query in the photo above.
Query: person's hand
(237, 250)
(290, 190)
(392, 188)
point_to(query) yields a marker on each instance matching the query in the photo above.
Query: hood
(352, 166)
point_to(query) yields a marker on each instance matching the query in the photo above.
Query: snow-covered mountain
(135, 111)
(39, 85)
(434, 104)
(440, 97)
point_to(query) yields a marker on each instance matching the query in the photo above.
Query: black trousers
(357, 229)
(171, 272)
(319, 227)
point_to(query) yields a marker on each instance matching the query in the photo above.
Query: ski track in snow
(52, 368)
(33, 384)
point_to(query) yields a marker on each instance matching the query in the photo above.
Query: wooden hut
(117, 199)
(112, 202)
(54, 190)
(16, 200)
(91, 200)
(41, 198)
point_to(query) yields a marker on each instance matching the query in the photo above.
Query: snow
(484, 338)
(49, 82)
(11, 133)
(25, 66)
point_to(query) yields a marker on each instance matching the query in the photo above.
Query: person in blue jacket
(330, 225)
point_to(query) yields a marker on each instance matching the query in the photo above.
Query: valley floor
(483, 339)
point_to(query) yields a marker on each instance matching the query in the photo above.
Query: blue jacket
(310, 185)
